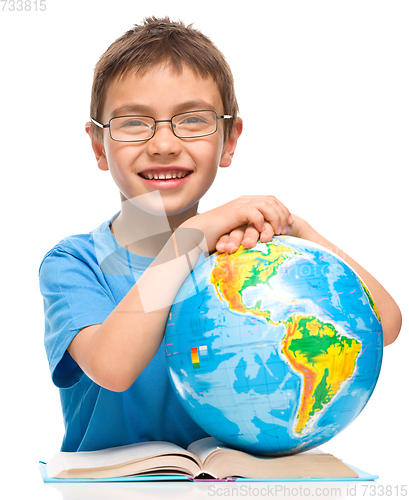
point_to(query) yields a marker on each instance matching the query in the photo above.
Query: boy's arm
(114, 353)
(388, 309)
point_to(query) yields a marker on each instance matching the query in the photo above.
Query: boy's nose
(164, 141)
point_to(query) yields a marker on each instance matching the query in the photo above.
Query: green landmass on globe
(323, 357)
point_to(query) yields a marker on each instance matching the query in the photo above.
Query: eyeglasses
(135, 128)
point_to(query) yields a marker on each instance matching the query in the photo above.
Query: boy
(163, 119)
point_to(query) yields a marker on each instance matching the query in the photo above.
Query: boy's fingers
(252, 215)
(221, 244)
(288, 219)
(251, 236)
(281, 221)
(230, 242)
(235, 239)
(267, 234)
(260, 217)
(278, 220)
(273, 211)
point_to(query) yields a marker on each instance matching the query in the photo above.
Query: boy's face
(162, 93)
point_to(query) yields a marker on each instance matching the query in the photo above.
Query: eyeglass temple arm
(99, 124)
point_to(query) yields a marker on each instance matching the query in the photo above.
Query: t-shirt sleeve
(74, 297)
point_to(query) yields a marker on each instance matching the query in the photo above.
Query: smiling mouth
(165, 176)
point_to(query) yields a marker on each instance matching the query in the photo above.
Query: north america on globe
(324, 358)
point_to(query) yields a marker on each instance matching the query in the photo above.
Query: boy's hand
(243, 221)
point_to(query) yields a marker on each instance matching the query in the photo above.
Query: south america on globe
(275, 349)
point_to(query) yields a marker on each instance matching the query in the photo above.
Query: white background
(323, 91)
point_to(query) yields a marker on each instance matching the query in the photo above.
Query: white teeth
(162, 176)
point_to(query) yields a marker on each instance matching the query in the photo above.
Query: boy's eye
(129, 128)
(195, 122)
(193, 119)
(135, 123)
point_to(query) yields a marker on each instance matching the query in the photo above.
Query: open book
(207, 457)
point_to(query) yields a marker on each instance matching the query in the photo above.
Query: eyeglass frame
(108, 125)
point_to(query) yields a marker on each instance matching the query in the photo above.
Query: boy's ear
(98, 148)
(231, 143)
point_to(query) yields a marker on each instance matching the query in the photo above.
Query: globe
(275, 349)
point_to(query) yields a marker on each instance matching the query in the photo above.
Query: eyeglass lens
(184, 125)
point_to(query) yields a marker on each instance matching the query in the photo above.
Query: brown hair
(157, 41)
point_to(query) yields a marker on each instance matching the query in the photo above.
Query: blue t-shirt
(82, 280)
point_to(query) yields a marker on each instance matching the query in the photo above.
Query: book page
(313, 451)
(205, 447)
(112, 456)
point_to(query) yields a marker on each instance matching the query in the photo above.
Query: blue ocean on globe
(274, 350)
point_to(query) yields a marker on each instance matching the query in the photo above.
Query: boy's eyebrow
(194, 105)
(146, 110)
(130, 108)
